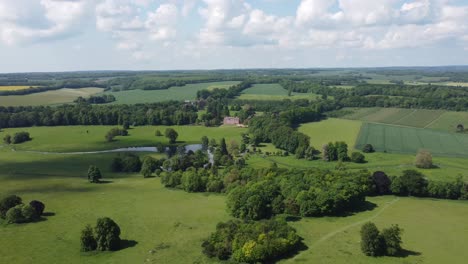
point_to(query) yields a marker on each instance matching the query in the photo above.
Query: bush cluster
(105, 236)
(252, 242)
(375, 243)
(13, 210)
(17, 138)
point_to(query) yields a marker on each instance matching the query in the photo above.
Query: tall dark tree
(94, 174)
(172, 135)
(372, 243)
(88, 242)
(223, 147)
(9, 202)
(107, 234)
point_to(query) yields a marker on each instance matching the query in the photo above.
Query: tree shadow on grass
(125, 243)
(104, 182)
(48, 214)
(300, 247)
(364, 207)
(404, 253)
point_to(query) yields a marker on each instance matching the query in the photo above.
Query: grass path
(339, 230)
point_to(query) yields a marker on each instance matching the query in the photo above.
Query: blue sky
(66, 35)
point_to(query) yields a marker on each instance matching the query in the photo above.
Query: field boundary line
(342, 229)
(414, 111)
(433, 121)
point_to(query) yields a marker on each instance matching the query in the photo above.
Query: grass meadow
(272, 91)
(332, 130)
(161, 225)
(48, 97)
(89, 138)
(179, 93)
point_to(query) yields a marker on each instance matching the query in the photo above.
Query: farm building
(228, 120)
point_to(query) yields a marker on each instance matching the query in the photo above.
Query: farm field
(395, 139)
(422, 118)
(60, 96)
(187, 92)
(89, 138)
(332, 130)
(14, 87)
(272, 91)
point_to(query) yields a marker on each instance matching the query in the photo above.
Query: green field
(179, 93)
(49, 97)
(89, 138)
(168, 226)
(422, 118)
(272, 91)
(331, 130)
(396, 139)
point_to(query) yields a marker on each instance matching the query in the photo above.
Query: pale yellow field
(463, 84)
(15, 88)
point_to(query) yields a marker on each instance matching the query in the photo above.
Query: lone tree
(172, 135)
(148, 167)
(158, 133)
(424, 159)
(38, 206)
(460, 128)
(372, 243)
(368, 148)
(94, 174)
(357, 157)
(107, 234)
(7, 139)
(392, 238)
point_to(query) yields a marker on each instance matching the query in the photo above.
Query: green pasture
(179, 93)
(89, 138)
(397, 139)
(449, 121)
(49, 97)
(331, 130)
(272, 91)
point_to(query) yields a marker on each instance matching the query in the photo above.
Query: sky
(77, 35)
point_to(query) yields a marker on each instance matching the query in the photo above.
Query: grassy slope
(331, 130)
(75, 138)
(48, 97)
(187, 92)
(448, 121)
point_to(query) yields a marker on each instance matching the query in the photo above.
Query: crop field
(272, 91)
(89, 138)
(421, 118)
(49, 97)
(331, 130)
(187, 92)
(449, 121)
(14, 87)
(396, 139)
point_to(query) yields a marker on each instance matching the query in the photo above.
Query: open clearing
(15, 87)
(89, 138)
(422, 118)
(396, 139)
(179, 93)
(332, 130)
(60, 96)
(272, 91)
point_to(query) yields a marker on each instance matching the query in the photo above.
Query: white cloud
(44, 19)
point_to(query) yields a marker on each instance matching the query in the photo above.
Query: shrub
(29, 213)
(357, 157)
(88, 242)
(7, 203)
(7, 139)
(424, 159)
(382, 182)
(15, 215)
(20, 137)
(372, 244)
(411, 183)
(368, 148)
(38, 207)
(392, 239)
(107, 234)
(158, 133)
(94, 174)
(172, 135)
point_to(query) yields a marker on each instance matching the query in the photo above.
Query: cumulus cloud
(44, 19)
